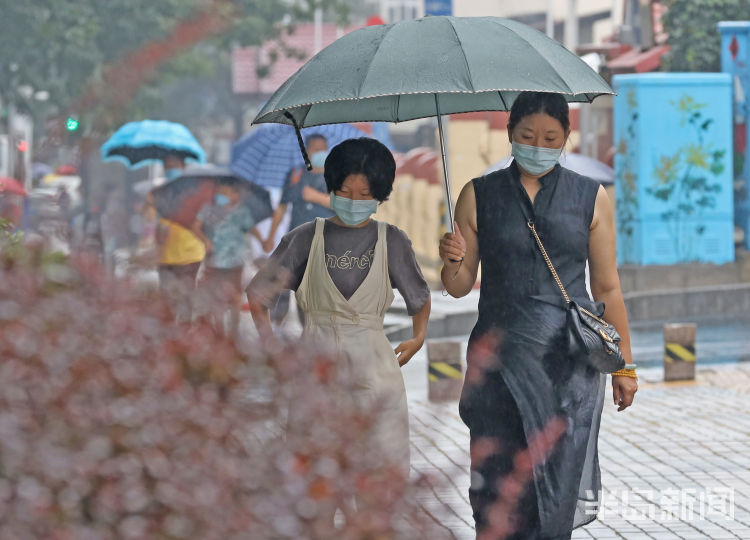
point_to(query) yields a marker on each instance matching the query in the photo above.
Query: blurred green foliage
(694, 39)
(11, 242)
(63, 46)
(30, 256)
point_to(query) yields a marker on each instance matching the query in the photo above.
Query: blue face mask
(535, 160)
(171, 174)
(221, 200)
(318, 159)
(353, 212)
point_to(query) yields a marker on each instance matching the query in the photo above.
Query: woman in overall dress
(344, 270)
(533, 411)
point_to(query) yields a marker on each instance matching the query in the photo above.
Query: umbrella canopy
(266, 154)
(11, 185)
(38, 170)
(394, 72)
(429, 67)
(139, 143)
(67, 170)
(584, 165)
(180, 199)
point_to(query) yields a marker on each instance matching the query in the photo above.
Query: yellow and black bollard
(445, 370)
(679, 352)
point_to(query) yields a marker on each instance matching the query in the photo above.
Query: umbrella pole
(445, 165)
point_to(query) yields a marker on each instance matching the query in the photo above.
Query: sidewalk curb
(718, 301)
(727, 301)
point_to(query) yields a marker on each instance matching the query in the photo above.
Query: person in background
(92, 238)
(306, 192)
(64, 199)
(222, 225)
(174, 165)
(180, 253)
(115, 221)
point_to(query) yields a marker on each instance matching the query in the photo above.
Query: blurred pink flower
(115, 422)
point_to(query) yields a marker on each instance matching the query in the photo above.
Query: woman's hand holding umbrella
(453, 248)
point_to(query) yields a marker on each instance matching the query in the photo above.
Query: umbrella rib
(505, 105)
(463, 52)
(304, 117)
(372, 59)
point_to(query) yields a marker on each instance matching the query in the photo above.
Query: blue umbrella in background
(268, 152)
(38, 170)
(139, 143)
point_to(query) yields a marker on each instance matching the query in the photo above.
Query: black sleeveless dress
(523, 391)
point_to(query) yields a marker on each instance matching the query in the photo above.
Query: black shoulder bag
(588, 334)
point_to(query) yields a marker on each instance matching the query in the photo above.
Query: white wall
(515, 8)
(392, 11)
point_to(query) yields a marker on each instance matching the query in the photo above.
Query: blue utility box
(673, 166)
(735, 60)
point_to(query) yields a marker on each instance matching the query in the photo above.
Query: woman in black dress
(533, 411)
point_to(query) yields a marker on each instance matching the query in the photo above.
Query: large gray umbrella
(429, 67)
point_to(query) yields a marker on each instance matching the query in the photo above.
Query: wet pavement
(676, 465)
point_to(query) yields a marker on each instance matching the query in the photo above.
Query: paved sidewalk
(676, 465)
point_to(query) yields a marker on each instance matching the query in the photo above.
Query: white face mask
(535, 160)
(353, 212)
(318, 159)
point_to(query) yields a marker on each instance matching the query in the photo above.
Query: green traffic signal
(71, 124)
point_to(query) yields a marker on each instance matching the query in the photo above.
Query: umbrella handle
(301, 143)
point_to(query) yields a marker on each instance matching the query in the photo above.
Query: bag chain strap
(551, 267)
(548, 261)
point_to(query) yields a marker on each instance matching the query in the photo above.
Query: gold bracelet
(625, 373)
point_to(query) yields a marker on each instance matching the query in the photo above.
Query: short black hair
(313, 136)
(361, 156)
(549, 103)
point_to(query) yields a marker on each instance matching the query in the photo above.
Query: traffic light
(71, 124)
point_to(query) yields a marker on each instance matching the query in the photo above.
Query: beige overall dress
(368, 367)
